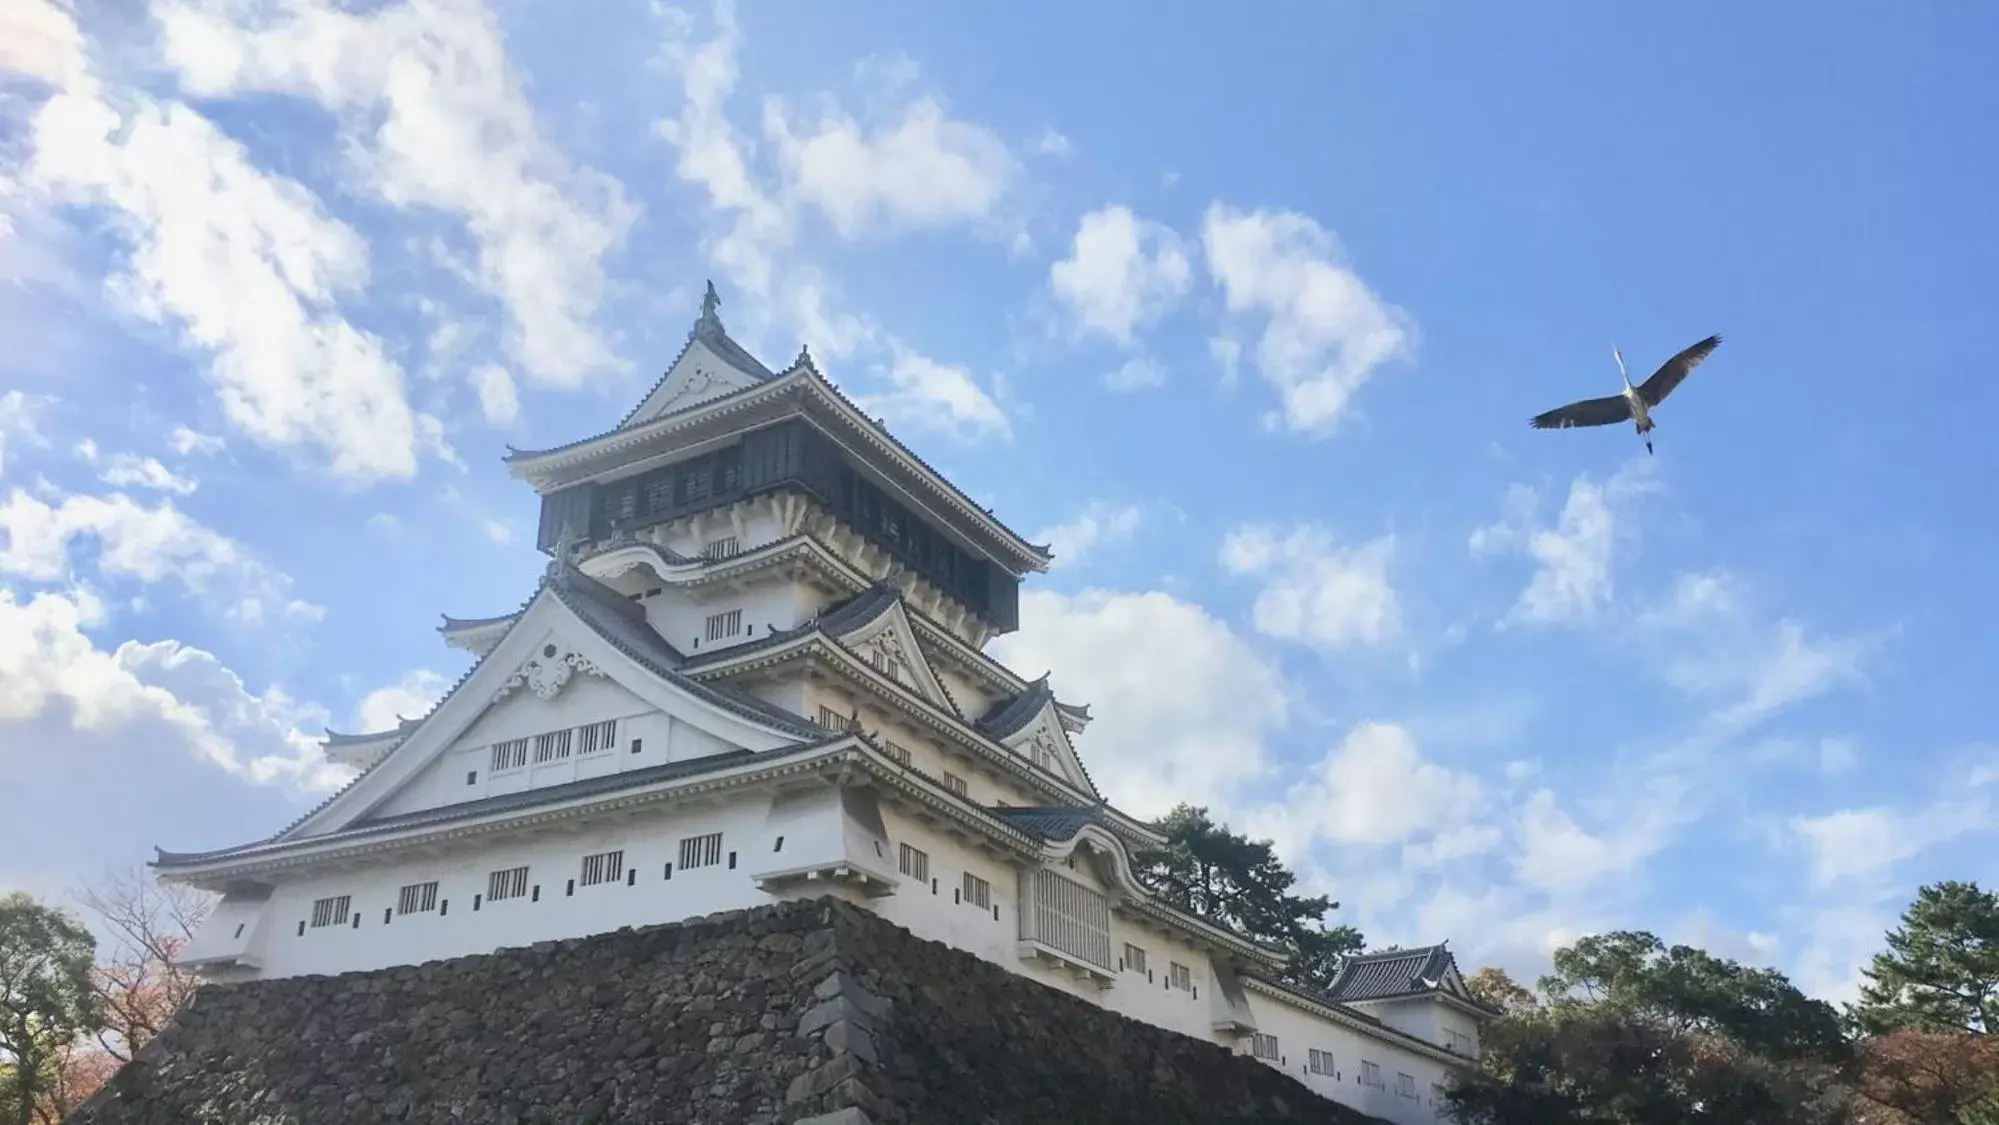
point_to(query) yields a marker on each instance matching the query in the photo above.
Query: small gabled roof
(459, 624)
(1392, 973)
(336, 738)
(1008, 716)
(1054, 823)
(709, 331)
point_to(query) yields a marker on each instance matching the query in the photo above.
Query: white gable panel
(889, 644)
(1046, 744)
(546, 655)
(698, 377)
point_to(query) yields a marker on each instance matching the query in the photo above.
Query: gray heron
(1633, 404)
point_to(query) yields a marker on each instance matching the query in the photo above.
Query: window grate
(834, 721)
(1134, 958)
(604, 867)
(701, 851)
(723, 548)
(1405, 1085)
(551, 746)
(915, 863)
(724, 624)
(1072, 918)
(1319, 1062)
(510, 755)
(1263, 1046)
(510, 883)
(1370, 1074)
(596, 738)
(417, 898)
(1180, 976)
(978, 892)
(897, 751)
(954, 783)
(330, 911)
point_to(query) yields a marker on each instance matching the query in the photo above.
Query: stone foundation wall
(812, 1012)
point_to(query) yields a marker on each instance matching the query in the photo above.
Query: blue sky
(1245, 315)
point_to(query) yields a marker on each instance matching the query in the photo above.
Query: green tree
(1630, 1032)
(1493, 985)
(47, 1000)
(1229, 879)
(1940, 971)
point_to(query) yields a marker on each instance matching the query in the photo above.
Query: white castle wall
(1299, 1030)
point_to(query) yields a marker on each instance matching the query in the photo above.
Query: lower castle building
(755, 671)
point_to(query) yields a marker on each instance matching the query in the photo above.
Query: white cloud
(129, 470)
(926, 169)
(1864, 844)
(1183, 705)
(1325, 331)
(250, 266)
(187, 442)
(1136, 374)
(1376, 788)
(1051, 143)
(1096, 524)
(148, 697)
(41, 41)
(439, 122)
(146, 544)
(498, 400)
(18, 415)
(1314, 590)
(1122, 272)
(1573, 582)
(411, 697)
(939, 397)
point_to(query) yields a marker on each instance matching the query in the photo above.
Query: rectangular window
(915, 863)
(604, 867)
(1180, 976)
(1263, 1046)
(330, 911)
(1405, 1085)
(833, 720)
(724, 624)
(597, 737)
(551, 746)
(978, 892)
(1071, 917)
(1134, 958)
(511, 883)
(417, 898)
(954, 783)
(1370, 1074)
(1319, 1062)
(1457, 1041)
(510, 755)
(723, 548)
(897, 751)
(701, 851)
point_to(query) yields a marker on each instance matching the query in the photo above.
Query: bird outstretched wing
(1588, 412)
(1674, 371)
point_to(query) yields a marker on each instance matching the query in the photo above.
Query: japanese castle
(755, 670)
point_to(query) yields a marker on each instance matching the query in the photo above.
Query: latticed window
(723, 548)
(701, 851)
(1405, 1085)
(1180, 976)
(510, 755)
(915, 863)
(978, 892)
(833, 720)
(724, 624)
(1263, 1046)
(330, 911)
(510, 883)
(551, 746)
(417, 898)
(604, 867)
(1134, 958)
(1072, 918)
(1370, 1074)
(1319, 1062)
(597, 737)
(897, 751)
(954, 783)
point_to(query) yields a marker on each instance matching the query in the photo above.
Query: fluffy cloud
(939, 397)
(188, 442)
(159, 695)
(1184, 706)
(1136, 374)
(1121, 273)
(926, 169)
(248, 264)
(408, 698)
(1325, 332)
(439, 122)
(1314, 590)
(18, 412)
(1096, 524)
(1573, 580)
(129, 470)
(498, 400)
(1375, 788)
(142, 543)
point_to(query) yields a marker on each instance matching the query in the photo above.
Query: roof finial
(558, 562)
(804, 356)
(709, 304)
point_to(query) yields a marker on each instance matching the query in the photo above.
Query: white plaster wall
(752, 523)
(974, 702)
(464, 773)
(1298, 1030)
(1451, 1019)
(460, 930)
(683, 621)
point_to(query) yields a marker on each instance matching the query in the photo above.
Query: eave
(806, 390)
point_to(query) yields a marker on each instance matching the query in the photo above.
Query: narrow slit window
(552, 746)
(897, 751)
(596, 738)
(701, 851)
(723, 548)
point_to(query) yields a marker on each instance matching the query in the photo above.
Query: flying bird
(1634, 404)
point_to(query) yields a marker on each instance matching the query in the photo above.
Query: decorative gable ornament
(1045, 750)
(546, 673)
